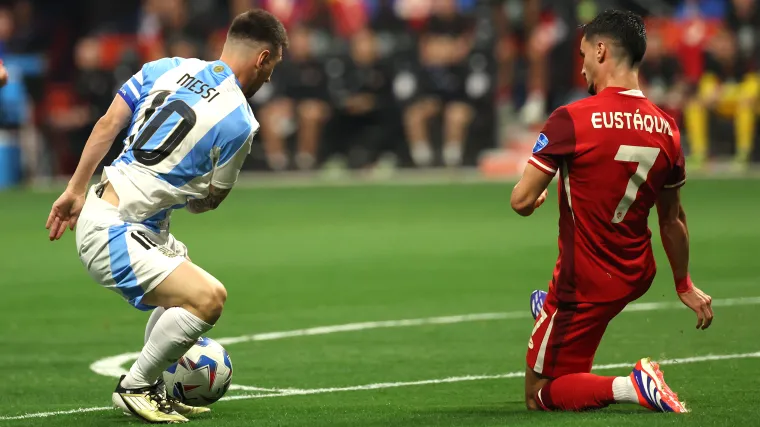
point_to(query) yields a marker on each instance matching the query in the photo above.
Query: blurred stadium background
(389, 91)
(378, 86)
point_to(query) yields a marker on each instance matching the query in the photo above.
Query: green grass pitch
(298, 258)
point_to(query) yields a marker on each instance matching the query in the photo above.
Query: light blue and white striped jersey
(191, 127)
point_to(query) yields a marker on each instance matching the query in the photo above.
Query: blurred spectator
(729, 88)
(302, 98)
(94, 90)
(744, 20)
(365, 114)
(184, 47)
(383, 17)
(711, 9)
(662, 78)
(367, 76)
(444, 46)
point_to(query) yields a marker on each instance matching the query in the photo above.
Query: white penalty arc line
(113, 366)
(378, 386)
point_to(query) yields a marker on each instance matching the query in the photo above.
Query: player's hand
(541, 199)
(700, 303)
(65, 213)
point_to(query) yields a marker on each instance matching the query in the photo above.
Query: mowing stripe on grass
(113, 366)
(378, 386)
(518, 374)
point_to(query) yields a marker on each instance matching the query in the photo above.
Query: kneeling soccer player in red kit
(618, 156)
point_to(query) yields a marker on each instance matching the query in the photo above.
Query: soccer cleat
(148, 404)
(651, 389)
(179, 407)
(537, 300)
(184, 409)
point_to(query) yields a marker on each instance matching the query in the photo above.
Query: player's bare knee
(209, 302)
(217, 299)
(312, 112)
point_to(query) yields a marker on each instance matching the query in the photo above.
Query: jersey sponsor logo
(541, 142)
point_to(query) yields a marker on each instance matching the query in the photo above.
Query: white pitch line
(54, 413)
(379, 386)
(112, 366)
(252, 388)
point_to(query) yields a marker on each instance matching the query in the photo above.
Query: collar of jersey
(623, 91)
(229, 70)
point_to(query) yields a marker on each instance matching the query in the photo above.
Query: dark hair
(625, 29)
(260, 26)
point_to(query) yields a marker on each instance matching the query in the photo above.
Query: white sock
(422, 154)
(305, 161)
(173, 334)
(623, 390)
(154, 316)
(452, 154)
(152, 320)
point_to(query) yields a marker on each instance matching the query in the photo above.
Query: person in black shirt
(301, 84)
(662, 77)
(729, 88)
(94, 88)
(366, 116)
(743, 19)
(444, 47)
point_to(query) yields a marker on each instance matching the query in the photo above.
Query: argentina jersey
(191, 127)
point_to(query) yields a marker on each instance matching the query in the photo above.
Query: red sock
(576, 392)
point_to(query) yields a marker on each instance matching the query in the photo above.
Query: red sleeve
(556, 141)
(677, 176)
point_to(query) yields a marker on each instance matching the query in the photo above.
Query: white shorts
(129, 258)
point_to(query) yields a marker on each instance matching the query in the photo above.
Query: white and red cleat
(651, 389)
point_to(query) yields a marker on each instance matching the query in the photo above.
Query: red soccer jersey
(615, 152)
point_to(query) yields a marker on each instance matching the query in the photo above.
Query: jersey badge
(218, 69)
(541, 142)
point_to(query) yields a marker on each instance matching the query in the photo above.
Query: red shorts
(564, 339)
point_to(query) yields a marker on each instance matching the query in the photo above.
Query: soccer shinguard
(173, 334)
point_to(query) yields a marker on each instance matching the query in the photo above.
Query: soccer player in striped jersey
(190, 129)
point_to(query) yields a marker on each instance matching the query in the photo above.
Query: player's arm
(675, 240)
(554, 144)
(103, 134)
(66, 209)
(673, 231)
(530, 192)
(215, 198)
(232, 155)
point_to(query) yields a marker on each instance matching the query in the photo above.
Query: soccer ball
(202, 376)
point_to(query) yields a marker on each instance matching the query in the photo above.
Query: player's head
(255, 42)
(614, 39)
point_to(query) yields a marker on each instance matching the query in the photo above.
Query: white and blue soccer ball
(202, 376)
